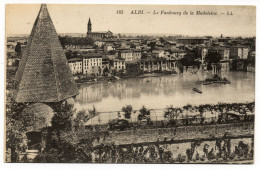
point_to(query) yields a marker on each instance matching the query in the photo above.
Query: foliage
(18, 49)
(144, 112)
(15, 126)
(61, 149)
(80, 119)
(9, 55)
(189, 62)
(132, 45)
(92, 112)
(80, 41)
(171, 112)
(62, 119)
(212, 57)
(128, 110)
(162, 40)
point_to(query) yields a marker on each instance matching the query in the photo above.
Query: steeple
(89, 25)
(44, 74)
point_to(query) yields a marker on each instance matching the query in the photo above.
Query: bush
(128, 110)
(61, 120)
(80, 119)
(93, 111)
(144, 111)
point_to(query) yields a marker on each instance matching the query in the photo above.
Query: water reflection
(158, 92)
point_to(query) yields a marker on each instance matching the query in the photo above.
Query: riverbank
(101, 79)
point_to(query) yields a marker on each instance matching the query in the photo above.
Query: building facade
(127, 55)
(137, 55)
(75, 65)
(92, 64)
(224, 53)
(239, 52)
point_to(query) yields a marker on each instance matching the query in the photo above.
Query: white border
(4, 166)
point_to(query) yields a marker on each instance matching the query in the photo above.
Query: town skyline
(72, 19)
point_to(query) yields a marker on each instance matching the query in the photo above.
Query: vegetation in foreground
(66, 141)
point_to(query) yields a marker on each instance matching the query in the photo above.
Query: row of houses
(149, 54)
(95, 64)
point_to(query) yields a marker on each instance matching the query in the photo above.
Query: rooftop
(74, 59)
(91, 55)
(193, 38)
(44, 74)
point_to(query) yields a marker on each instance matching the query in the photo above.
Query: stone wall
(179, 133)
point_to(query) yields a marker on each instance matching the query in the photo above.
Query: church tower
(89, 25)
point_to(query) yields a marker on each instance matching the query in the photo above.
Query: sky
(74, 18)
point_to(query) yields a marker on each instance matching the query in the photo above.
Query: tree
(62, 41)
(9, 55)
(78, 41)
(18, 49)
(169, 112)
(68, 54)
(105, 71)
(128, 110)
(132, 45)
(80, 119)
(93, 111)
(212, 57)
(189, 62)
(144, 56)
(162, 40)
(61, 120)
(15, 128)
(144, 112)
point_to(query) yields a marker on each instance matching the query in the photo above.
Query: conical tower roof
(44, 74)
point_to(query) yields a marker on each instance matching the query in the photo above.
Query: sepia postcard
(136, 84)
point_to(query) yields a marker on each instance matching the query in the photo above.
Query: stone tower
(89, 26)
(44, 75)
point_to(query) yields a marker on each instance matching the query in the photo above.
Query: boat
(197, 90)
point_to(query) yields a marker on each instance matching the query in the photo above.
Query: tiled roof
(74, 59)
(44, 74)
(91, 55)
(193, 38)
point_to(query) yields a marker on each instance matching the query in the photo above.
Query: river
(163, 91)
